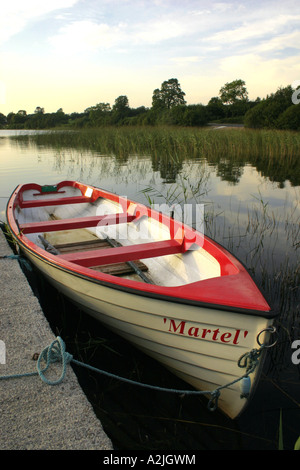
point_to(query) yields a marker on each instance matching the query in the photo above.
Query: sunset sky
(73, 54)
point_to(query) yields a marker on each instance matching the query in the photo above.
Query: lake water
(252, 215)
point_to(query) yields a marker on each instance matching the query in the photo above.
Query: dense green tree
(136, 116)
(16, 120)
(234, 91)
(169, 95)
(61, 117)
(20, 118)
(121, 104)
(2, 121)
(195, 115)
(99, 114)
(174, 116)
(39, 110)
(277, 110)
(9, 118)
(157, 101)
(267, 112)
(238, 109)
(100, 107)
(215, 109)
(290, 118)
(120, 109)
(257, 116)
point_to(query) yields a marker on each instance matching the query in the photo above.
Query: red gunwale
(234, 288)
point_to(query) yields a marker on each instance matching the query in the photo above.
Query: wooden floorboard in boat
(85, 245)
(118, 269)
(114, 269)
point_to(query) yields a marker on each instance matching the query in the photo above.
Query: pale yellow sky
(72, 54)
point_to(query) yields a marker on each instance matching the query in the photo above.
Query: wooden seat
(124, 253)
(54, 201)
(117, 269)
(75, 223)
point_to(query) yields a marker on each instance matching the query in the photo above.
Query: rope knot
(56, 352)
(249, 360)
(213, 402)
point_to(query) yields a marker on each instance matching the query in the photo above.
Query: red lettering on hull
(181, 328)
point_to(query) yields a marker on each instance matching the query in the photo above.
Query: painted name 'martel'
(182, 328)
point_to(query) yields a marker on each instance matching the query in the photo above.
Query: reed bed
(200, 142)
(273, 153)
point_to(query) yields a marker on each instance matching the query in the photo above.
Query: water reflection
(228, 154)
(229, 171)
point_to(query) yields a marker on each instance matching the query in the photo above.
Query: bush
(195, 115)
(256, 117)
(290, 118)
(266, 113)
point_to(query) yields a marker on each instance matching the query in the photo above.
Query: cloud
(156, 31)
(260, 72)
(87, 35)
(255, 27)
(16, 14)
(211, 28)
(280, 42)
(185, 61)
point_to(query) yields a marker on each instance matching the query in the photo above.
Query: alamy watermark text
(296, 94)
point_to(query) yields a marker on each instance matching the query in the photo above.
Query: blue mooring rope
(23, 261)
(56, 352)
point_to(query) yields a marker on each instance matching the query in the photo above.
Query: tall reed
(191, 142)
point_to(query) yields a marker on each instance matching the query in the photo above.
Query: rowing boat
(167, 288)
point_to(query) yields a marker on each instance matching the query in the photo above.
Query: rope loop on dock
(23, 261)
(56, 352)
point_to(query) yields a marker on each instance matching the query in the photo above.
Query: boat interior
(107, 235)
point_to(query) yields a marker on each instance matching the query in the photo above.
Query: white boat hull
(172, 333)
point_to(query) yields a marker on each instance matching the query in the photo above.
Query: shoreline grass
(189, 141)
(274, 153)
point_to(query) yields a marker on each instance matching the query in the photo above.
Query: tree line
(278, 110)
